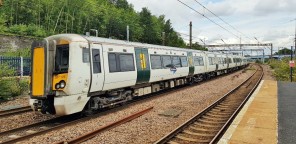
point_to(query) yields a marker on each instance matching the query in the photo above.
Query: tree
(284, 51)
(43, 18)
(198, 47)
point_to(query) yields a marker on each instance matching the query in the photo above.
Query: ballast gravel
(151, 126)
(17, 102)
(22, 119)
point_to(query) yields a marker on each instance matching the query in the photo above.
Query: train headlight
(62, 84)
(57, 86)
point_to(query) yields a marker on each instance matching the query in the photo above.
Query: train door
(227, 61)
(217, 59)
(98, 75)
(191, 63)
(143, 68)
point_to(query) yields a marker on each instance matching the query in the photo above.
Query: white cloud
(268, 20)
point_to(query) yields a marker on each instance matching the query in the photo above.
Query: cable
(209, 19)
(222, 19)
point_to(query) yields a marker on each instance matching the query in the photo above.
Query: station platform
(268, 117)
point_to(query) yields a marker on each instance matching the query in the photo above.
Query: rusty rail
(92, 134)
(15, 111)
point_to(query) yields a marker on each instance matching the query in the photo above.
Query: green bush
(24, 85)
(11, 86)
(282, 69)
(27, 30)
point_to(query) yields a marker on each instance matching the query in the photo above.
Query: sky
(270, 21)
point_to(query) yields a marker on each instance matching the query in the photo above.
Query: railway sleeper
(172, 142)
(192, 139)
(210, 121)
(202, 129)
(214, 118)
(220, 110)
(223, 106)
(218, 115)
(198, 124)
(199, 134)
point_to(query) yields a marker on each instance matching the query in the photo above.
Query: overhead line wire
(208, 18)
(221, 19)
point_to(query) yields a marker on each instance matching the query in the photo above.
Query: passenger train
(74, 73)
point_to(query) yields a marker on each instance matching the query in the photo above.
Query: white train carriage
(212, 62)
(73, 73)
(230, 61)
(200, 65)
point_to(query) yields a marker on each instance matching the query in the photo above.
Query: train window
(166, 61)
(112, 62)
(85, 55)
(221, 60)
(211, 61)
(126, 62)
(62, 59)
(225, 60)
(201, 62)
(96, 61)
(184, 62)
(198, 61)
(176, 61)
(155, 62)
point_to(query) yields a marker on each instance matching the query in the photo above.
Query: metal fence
(21, 65)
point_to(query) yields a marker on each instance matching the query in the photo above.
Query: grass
(282, 69)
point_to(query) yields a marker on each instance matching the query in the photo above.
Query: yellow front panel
(38, 72)
(58, 78)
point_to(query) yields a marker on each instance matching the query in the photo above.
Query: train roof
(77, 37)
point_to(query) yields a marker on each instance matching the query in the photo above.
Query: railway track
(15, 111)
(22, 133)
(92, 134)
(210, 124)
(26, 132)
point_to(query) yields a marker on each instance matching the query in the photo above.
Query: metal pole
(204, 42)
(295, 39)
(271, 52)
(22, 66)
(291, 69)
(263, 56)
(163, 38)
(240, 43)
(190, 34)
(127, 33)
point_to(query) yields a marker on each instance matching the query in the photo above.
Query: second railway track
(210, 124)
(15, 111)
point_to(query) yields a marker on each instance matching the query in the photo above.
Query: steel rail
(228, 123)
(9, 112)
(179, 129)
(92, 134)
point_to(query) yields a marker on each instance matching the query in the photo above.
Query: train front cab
(51, 88)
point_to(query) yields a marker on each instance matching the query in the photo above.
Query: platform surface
(287, 112)
(257, 122)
